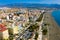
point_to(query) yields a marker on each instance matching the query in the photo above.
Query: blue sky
(30, 1)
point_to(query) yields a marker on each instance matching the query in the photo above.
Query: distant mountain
(30, 5)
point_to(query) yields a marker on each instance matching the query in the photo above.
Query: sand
(53, 28)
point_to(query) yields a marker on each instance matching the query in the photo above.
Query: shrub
(44, 31)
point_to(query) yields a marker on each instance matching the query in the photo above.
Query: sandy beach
(53, 28)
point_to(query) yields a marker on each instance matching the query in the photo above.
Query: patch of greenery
(44, 31)
(10, 30)
(11, 38)
(33, 27)
(36, 36)
(30, 19)
(40, 18)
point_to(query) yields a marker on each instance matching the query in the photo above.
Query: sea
(56, 16)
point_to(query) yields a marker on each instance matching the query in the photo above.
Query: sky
(30, 1)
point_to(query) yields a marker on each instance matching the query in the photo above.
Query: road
(40, 31)
(20, 34)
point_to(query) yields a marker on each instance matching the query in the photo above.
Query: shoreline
(54, 20)
(55, 31)
(53, 28)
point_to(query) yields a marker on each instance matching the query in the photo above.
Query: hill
(31, 5)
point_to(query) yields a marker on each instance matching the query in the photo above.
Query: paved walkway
(40, 31)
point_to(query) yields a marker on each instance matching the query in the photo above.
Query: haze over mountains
(29, 5)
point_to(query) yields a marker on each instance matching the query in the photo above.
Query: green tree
(40, 18)
(44, 31)
(36, 36)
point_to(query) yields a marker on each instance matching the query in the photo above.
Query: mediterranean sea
(56, 16)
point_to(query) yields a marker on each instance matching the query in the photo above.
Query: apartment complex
(15, 20)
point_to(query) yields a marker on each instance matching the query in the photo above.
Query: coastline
(54, 20)
(53, 28)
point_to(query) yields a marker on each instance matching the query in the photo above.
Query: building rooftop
(2, 28)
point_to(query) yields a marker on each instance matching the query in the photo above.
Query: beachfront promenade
(53, 28)
(40, 29)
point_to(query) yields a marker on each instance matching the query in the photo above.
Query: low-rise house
(14, 28)
(22, 16)
(3, 32)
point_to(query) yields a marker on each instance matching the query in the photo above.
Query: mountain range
(31, 5)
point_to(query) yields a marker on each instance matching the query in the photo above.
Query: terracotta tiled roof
(2, 28)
